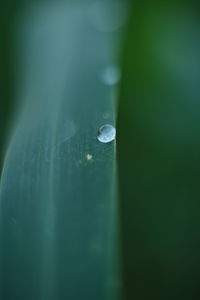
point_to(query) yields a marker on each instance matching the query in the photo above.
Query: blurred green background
(159, 151)
(6, 62)
(158, 144)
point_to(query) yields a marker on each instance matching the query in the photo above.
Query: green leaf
(59, 227)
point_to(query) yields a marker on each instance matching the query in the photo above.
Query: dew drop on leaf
(106, 133)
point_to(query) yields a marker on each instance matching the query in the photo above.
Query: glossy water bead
(106, 134)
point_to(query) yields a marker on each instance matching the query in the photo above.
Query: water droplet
(106, 134)
(89, 156)
(111, 75)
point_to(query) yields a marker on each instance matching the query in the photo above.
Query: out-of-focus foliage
(159, 151)
(6, 47)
